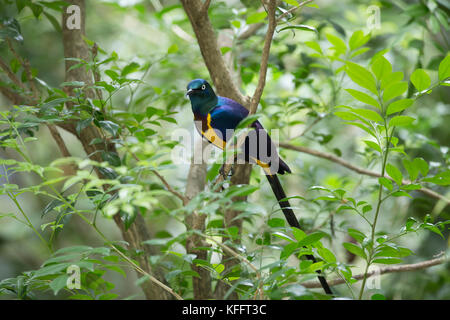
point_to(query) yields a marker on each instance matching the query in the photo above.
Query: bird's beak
(188, 93)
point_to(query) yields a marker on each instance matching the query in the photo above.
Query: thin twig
(205, 6)
(184, 199)
(348, 165)
(264, 57)
(251, 30)
(380, 271)
(59, 140)
(148, 275)
(239, 257)
(11, 75)
(291, 10)
(259, 88)
(27, 67)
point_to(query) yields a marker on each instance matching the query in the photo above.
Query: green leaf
(413, 169)
(421, 165)
(412, 186)
(444, 68)
(353, 248)
(283, 236)
(111, 157)
(72, 84)
(386, 183)
(311, 238)
(399, 105)
(337, 42)
(73, 249)
(433, 228)
(420, 79)
(361, 76)
(172, 49)
(51, 269)
(298, 234)
(10, 28)
(358, 39)
(356, 234)
(128, 216)
(236, 24)
(401, 193)
(109, 126)
(55, 23)
(363, 97)
(393, 78)
(36, 8)
(373, 145)
(256, 17)
(50, 206)
(291, 2)
(303, 27)
(130, 68)
(240, 190)
(363, 127)
(368, 114)
(20, 4)
(224, 50)
(326, 255)
(387, 260)
(394, 173)
(394, 90)
(276, 222)
(58, 283)
(314, 45)
(288, 250)
(213, 171)
(442, 179)
(359, 52)
(401, 121)
(346, 115)
(381, 68)
(410, 222)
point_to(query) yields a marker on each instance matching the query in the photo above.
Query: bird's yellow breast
(211, 135)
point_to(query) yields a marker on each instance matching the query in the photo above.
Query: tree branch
(184, 199)
(207, 41)
(4, 66)
(205, 7)
(251, 30)
(291, 10)
(389, 269)
(70, 170)
(75, 47)
(264, 57)
(348, 165)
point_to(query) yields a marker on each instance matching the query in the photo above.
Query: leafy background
(148, 53)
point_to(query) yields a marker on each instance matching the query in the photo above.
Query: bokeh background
(144, 31)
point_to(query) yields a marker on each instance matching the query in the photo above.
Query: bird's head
(202, 96)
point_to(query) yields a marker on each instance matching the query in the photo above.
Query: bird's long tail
(292, 220)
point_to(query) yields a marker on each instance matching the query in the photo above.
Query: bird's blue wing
(226, 116)
(258, 148)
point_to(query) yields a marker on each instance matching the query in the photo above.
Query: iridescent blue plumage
(225, 114)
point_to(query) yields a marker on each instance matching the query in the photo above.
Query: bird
(216, 118)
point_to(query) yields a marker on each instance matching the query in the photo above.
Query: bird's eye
(203, 87)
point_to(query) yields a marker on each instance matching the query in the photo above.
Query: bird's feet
(226, 175)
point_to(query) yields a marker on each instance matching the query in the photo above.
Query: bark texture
(76, 47)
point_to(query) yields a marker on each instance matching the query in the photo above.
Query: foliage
(378, 97)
